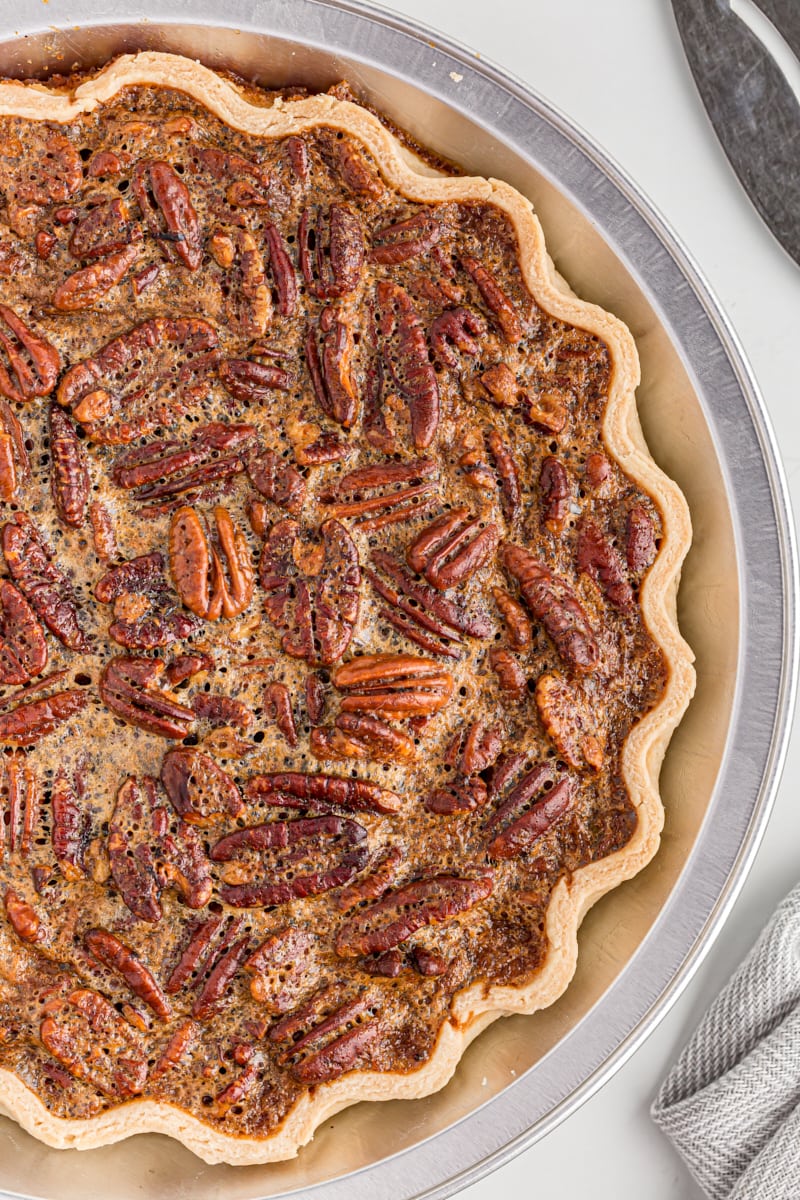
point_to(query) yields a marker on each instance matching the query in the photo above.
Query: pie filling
(320, 632)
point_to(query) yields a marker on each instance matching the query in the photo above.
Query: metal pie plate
(707, 428)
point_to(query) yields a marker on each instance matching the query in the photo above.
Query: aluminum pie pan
(706, 424)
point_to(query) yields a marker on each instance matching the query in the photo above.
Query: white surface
(617, 69)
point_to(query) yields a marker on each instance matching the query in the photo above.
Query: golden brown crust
(477, 1006)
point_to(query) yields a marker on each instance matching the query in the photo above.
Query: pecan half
(106, 229)
(150, 850)
(407, 239)
(213, 575)
(23, 649)
(248, 302)
(118, 957)
(29, 364)
(167, 208)
(506, 467)
(481, 747)
(555, 494)
(385, 493)
(29, 722)
(528, 812)
(200, 791)
(457, 327)
(335, 847)
(400, 913)
(602, 562)
(43, 584)
(128, 687)
(371, 887)
(104, 536)
(69, 470)
(452, 548)
(331, 251)
(21, 813)
(393, 685)
(329, 366)
(312, 589)
(353, 795)
(570, 721)
(15, 468)
(361, 737)
(23, 918)
(405, 358)
(278, 707)
(326, 1037)
(222, 710)
(70, 826)
(84, 288)
(282, 969)
(548, 409)
(498, 303)
(282, 270)
(149, 376)
(501, 384)
(251, 381)
(196, 954)
(510, 676)
(145, 610)
(551, 600)
(249, 184)
(165, 470)
(640, 540)
(181, 1043)
(276, 479)
(420, 612)
(517, 622)
(89, 1037)
(464, 795)
(224, 971)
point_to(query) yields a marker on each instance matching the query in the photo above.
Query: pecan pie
(337, 640)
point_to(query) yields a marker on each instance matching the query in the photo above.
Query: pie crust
(478, 1005)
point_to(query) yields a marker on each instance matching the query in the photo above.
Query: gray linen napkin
(731, 1103)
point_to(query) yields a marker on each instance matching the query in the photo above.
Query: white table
(616, 68)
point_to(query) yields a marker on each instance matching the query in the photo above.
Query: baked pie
(338, 650)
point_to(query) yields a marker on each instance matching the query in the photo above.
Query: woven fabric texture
(731, 1103)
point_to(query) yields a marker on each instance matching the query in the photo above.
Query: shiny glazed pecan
(353, 795)
(43, 584)
(331, 251)
(278, 706)
(385, 493)
(456, 327)
(498, 303)
(200, 791)
(400, 913)
(452, 548)
(23, 649)
(531, 808)
(129, 688)
(106, 229)
(15, 466)
(570, 721)
(312, 589)
(19, 822)
(23, 918)
(393, 685)
(84, 288)
(282, 271)
(116, 1064)
(145, 610)
(167, 208)
(405, 358)
(407, 239)
(326, 1037)
(602, 562)
(251, 381)
(33, 720)
(69, 471)
(329, 367)
(361, 737)
(120, 959)
(150, 850)
(29, 364)
(146, 377)
(247, 299)
(164, 470)
(334, 847)
(551, 600)
(276, 479)
(70, 826)
(517, 621)
(511, 678)
(555, 494)
(214, 574)
(421, 613)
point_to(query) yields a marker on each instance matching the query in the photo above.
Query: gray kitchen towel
(731, 1103)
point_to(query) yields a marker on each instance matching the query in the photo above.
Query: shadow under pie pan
(705, 426)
